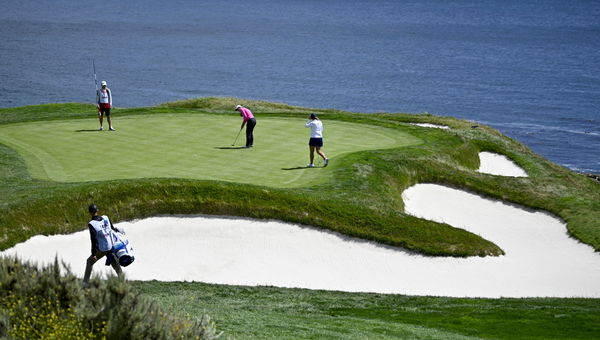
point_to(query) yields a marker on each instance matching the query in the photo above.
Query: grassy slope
(366, 190)
(278, 313)
(361, 199)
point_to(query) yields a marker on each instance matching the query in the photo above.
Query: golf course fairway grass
(177, 158)
(193, 146)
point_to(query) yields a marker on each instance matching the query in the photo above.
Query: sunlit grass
(45, 187)
(187, 146)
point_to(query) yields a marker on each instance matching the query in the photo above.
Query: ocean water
(528, 68)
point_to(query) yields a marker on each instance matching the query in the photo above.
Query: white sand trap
(541, 260)
(429, 125)
(500, 165)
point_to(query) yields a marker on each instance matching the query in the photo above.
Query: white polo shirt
(316, 128)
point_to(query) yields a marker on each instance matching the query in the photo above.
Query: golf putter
(236, 137)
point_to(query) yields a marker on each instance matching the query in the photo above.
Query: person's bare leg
(100, 116)
(109, 122)
(325, 159)
(312, 154)
(321, 153)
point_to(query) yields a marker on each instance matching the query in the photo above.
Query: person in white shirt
(101, 229)
(316, 139)
(104, 98)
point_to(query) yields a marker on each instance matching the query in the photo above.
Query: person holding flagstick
(103, 101)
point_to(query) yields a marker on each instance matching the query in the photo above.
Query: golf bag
(122, 249)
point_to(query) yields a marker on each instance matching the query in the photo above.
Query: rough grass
(279, 313)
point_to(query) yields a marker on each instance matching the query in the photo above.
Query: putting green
(196, 146)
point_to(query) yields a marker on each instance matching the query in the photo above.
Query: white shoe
(326, 162)
(310, 165)
(112, 128)
(101, 128)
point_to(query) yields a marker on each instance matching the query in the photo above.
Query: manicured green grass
(278, 313)
(194, 146)
(358, 195)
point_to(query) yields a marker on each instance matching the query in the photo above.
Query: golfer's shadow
(296, 168)
(88, 130)
(230, 147)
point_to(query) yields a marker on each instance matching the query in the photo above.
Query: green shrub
(50, 303)
(39, 317)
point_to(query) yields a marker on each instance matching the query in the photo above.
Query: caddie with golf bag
(109, 241)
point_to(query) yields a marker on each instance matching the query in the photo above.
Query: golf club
(236, 137)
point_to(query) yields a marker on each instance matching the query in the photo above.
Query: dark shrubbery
(50, 303)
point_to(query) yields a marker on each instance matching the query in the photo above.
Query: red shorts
(104, 106)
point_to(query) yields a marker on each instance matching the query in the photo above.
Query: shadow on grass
(296, 168)
(230, 147)
(89, 130)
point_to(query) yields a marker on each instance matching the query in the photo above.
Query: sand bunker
(429, 125)
(500, 165)
(541, 259)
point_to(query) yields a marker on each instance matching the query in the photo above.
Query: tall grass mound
(50, 303)
(226, 104)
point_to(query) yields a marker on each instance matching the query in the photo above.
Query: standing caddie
(101, 229)
(104, 99)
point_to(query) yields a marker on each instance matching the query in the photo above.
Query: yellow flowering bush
(50, 303)
(38, 317)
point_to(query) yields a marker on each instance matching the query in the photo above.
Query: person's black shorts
(318, 142)
(105, 112)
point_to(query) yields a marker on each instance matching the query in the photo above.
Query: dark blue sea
(529, 68)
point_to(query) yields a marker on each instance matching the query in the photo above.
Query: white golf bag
(122, 249)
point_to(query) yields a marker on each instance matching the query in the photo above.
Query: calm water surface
(528, 68)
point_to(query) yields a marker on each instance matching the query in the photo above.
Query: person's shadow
(296, 168)
(88, 130)
(230, 147)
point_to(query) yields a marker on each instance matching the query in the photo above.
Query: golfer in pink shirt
(250, 122)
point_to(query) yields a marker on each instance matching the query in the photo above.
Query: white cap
(238, 106)
(103, 82)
